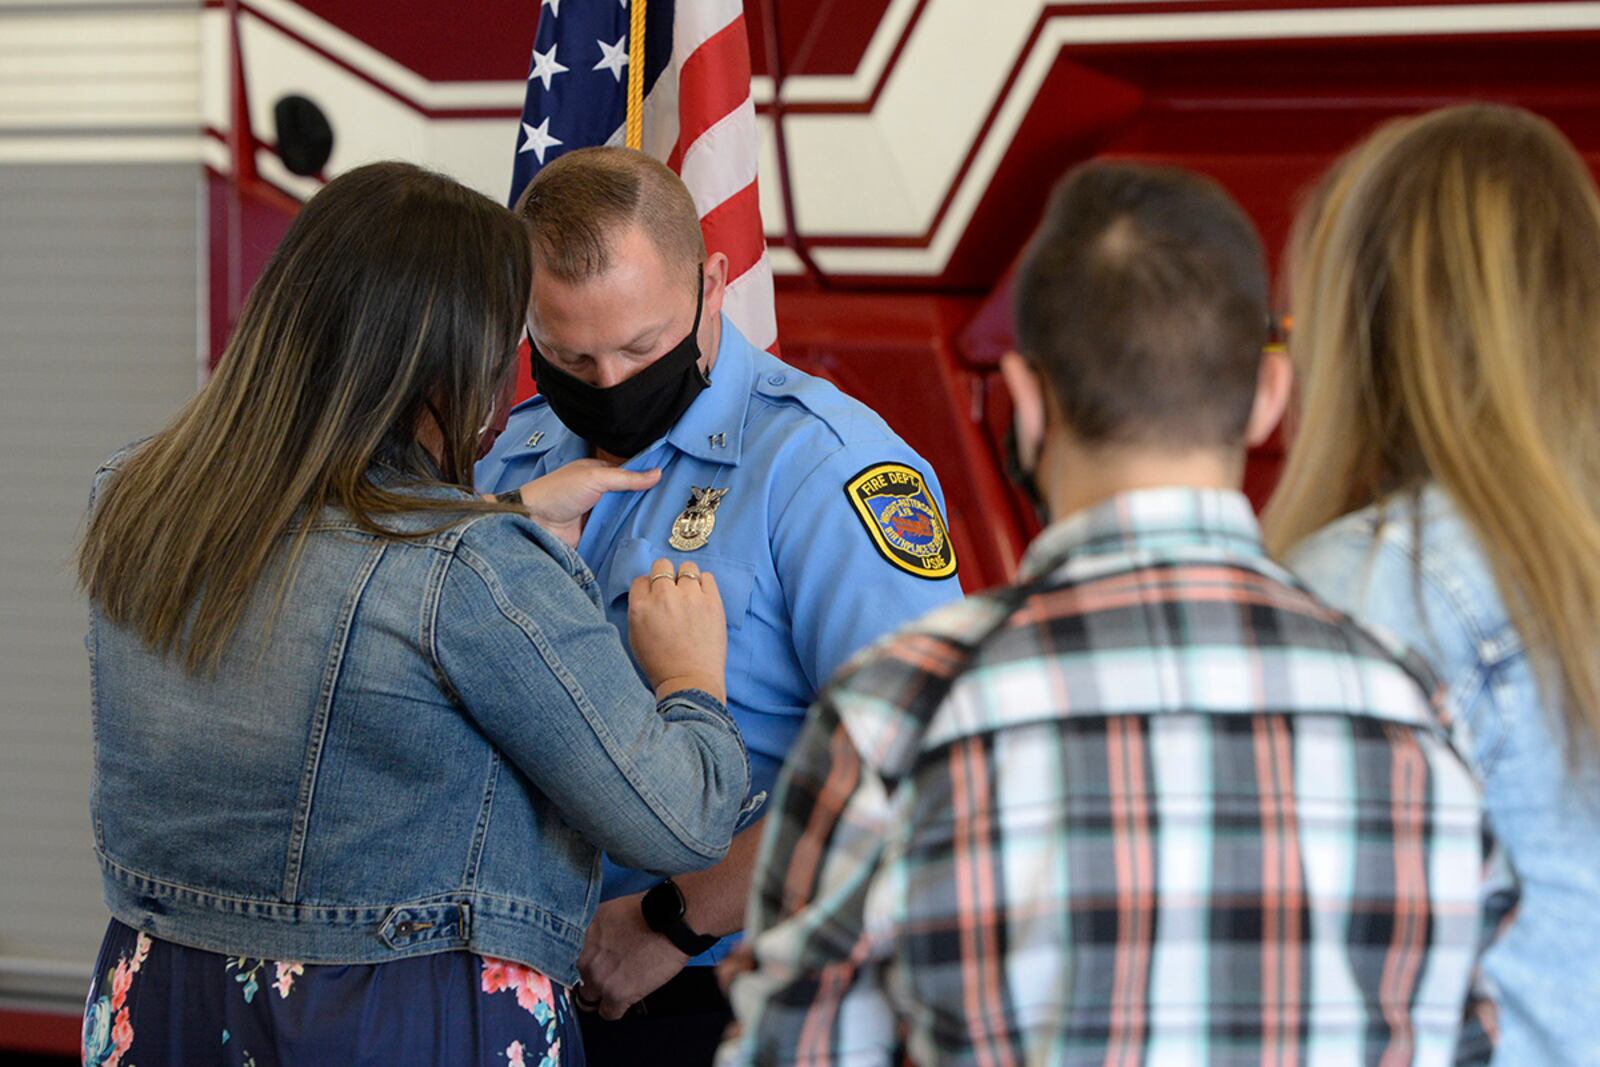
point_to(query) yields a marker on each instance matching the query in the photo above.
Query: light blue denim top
(1546, 965)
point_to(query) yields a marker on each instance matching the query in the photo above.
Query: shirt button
(777, 379)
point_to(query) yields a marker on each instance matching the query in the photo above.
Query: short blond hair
(575, 207)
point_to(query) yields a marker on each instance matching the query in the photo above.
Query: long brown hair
(394, 302)
(1446, 297)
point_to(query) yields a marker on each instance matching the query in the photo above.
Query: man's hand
(740, 961)
(623, 960)
(562, 499)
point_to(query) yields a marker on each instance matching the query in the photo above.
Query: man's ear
(716, 291)
(1274, 382)
(1027, 403)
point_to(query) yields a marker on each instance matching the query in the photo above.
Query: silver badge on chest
(692, 529)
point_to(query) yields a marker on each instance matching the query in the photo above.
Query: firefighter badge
(692, 529)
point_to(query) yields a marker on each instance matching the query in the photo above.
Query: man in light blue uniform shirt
(823, 531)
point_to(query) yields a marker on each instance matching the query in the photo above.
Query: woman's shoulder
(112, 464)
(505, 564)
(115, 460)
(1410, 565)
(512, 542)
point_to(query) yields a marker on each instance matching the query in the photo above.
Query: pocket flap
(735, 579)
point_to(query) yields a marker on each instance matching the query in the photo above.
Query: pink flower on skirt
(285, 980)
(121, 980)
(122, 1035)
(142, 947)
(532, 988)
(498, 975)
(514, 1054)
(535, 990)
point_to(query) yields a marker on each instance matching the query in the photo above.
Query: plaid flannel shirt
(1155, 804)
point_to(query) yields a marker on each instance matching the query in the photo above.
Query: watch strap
(666, 919)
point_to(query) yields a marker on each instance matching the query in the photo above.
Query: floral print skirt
(157, 1004)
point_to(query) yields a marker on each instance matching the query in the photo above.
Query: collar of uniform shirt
(562, 445)
(1147, 520)
(713, 427)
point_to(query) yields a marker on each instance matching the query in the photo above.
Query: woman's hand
(678, 630)
(562, 499)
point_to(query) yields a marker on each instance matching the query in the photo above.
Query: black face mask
(627, 417)
(1023, 478)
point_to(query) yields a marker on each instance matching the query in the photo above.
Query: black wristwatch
(663, 909)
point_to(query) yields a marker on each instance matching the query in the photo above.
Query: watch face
(662, 906)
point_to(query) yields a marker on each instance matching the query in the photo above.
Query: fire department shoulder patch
(903, 519)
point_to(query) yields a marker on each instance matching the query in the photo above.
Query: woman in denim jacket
(1444, 485)
(360, 735)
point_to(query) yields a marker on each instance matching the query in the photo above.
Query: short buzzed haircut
(1142, 300)
(575, 208)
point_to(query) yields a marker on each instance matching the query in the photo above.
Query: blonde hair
(576, 207)
(1445, 285)
(395, 299)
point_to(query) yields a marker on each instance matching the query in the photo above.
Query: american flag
(698, 118)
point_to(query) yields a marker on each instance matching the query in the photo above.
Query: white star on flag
(538, 140)
(615, 56)
(698, 118)
(545, 66)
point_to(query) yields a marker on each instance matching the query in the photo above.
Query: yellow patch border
(875, 529)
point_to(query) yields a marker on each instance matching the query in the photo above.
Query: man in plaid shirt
(1155, 803)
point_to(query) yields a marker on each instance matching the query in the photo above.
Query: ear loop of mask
(1024, 479)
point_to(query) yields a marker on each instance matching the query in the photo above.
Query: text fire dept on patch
(903, 519)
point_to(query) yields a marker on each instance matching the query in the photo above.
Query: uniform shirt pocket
(736, 582)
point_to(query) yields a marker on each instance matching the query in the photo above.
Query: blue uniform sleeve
(490, 472)
(844, 582)
(531, 658)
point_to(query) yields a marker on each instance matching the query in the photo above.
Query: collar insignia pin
(719, 440)
(692, 529)
(535, 438)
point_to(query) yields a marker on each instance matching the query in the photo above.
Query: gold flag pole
(636, 74)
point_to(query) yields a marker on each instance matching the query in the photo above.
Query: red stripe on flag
(733, 228)
(714, 80)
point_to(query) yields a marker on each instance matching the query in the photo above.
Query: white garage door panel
(98, 341)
